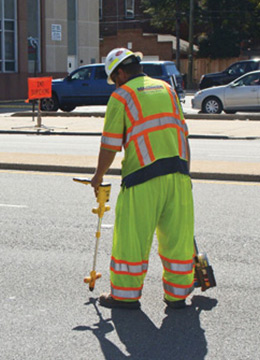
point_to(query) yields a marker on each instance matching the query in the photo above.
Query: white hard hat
(116, 57)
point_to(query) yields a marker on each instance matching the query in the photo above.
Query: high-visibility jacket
(144, 115)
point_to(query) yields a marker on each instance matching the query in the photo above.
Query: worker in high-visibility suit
(144, 116)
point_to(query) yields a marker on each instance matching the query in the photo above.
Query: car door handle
(85, 84)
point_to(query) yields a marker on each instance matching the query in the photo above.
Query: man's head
(121, 64)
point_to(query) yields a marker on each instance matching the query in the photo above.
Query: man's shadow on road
(179, 337)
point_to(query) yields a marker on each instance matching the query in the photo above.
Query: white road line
(13, 206)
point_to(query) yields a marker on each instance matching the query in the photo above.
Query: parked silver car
(242, 94)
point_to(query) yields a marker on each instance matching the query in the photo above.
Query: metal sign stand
(39, 126)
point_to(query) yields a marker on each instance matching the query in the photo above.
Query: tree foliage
(221, 26)
(164, 12)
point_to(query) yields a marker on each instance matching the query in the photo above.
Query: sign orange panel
(39, 87)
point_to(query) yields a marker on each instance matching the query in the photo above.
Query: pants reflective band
(177, 266)
(176, 290)
(128, 268)
(126, 293)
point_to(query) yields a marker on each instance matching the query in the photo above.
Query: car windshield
(171, 69)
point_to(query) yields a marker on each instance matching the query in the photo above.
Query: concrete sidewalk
(89, 126)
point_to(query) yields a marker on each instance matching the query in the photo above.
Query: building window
(8, 23)
(34, 35)
(129, 9)
(100, 9)
(72, 29)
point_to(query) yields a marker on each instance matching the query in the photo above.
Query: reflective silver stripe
(161, 121)
(175, 101)
(185, 127)
(126, 294)
(177, 267)
(144, 151)
(111, 141)
(183, 146)
(130, 102)
(131, 269)
(174, 290)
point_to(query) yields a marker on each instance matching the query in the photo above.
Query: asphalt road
(201, 149)
(46, 248)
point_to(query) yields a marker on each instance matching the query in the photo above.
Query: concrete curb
(102, 114)
(116, 171)
(45, 132)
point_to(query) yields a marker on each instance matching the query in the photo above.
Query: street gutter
(116, 171)
(102, 114)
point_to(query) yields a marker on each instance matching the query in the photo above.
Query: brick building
(44, 37)
(123, 24)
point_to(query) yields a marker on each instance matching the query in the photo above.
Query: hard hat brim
(136, 54)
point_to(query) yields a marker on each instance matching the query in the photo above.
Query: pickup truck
(233, 72)
(88, 85)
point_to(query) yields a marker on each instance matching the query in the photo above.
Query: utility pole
(190, 55)
(178, 20)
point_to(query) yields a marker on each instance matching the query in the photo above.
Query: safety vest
(144, 115)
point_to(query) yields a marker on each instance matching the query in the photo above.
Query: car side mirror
(235, 84)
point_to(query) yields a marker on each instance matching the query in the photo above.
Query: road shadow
(179, 337)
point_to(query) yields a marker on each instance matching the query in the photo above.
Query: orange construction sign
(39, 87)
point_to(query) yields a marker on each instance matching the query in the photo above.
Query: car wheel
(230, 111)
(50, 104)
(212, 105)
(67, 108)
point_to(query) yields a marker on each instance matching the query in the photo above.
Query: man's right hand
(95, 182)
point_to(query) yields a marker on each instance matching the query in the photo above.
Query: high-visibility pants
(164, 204)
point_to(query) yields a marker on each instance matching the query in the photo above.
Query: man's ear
(120, 72)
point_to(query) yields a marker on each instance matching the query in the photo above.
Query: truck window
(152, 69)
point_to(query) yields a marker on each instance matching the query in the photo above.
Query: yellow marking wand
(102, 197)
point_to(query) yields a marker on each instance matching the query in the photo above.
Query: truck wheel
(50, 104)
(212, 105)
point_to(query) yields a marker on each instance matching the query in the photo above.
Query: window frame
(100, 9)
(129, 16)
(3, 31)
(37, 37)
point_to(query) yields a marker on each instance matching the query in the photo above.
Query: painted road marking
(13, 206)
(107, 226)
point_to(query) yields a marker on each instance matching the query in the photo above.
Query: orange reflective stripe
(177, 290)
(125, 293)
(124, 102)
(111, 147)
(126, 288)
(138, 152)
(175, 261)
(149, 147)
(178, 286)
(148, 118)
(112, 135)
(129, 262)
(135, 100)
(179, 142)
(173, 104)
(111, 141)
(157, 128)
(122, 267)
